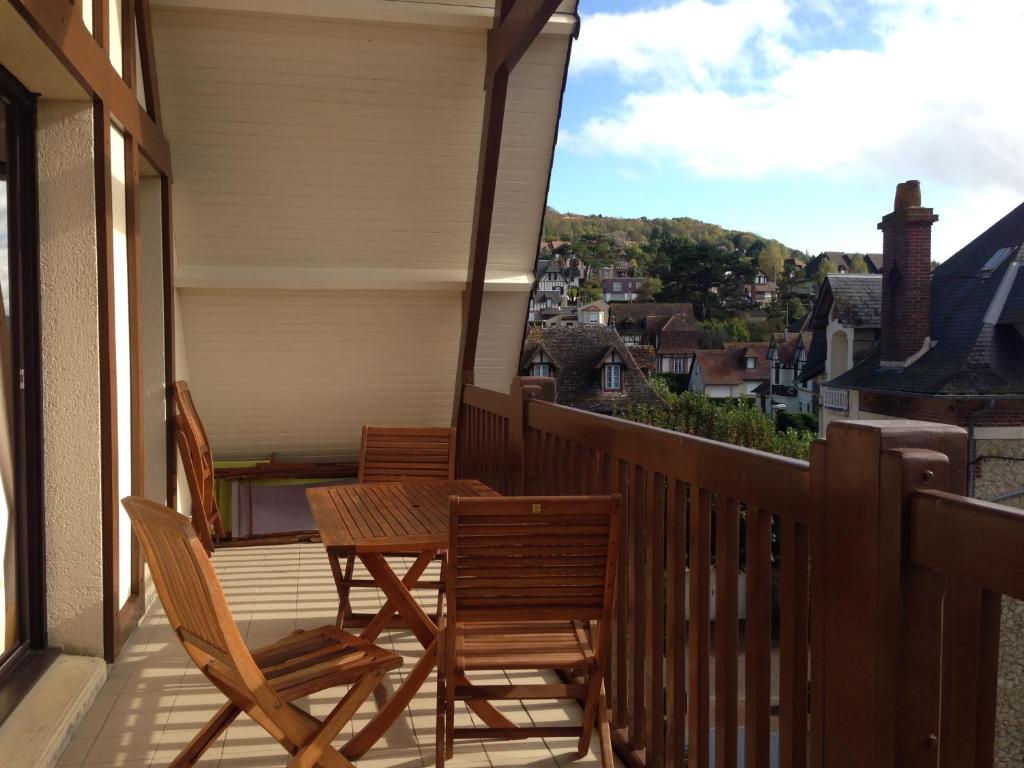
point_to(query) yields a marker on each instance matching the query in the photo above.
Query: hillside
(574, 227)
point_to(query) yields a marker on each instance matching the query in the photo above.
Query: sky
(795, 119)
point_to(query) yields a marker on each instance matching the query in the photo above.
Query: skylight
(996, 259)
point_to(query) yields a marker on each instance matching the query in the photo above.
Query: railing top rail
(488, 400)
(970, 539)
(775, 483)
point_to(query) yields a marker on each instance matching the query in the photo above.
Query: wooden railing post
(878, 617)
(524, 389)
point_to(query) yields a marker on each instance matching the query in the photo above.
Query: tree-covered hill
(575, 227)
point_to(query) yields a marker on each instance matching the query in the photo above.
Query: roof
(841, 259)
(679, 335)
(817, 352)
(785, 345)
(639, 313)
(644, 357)
(728, 366)
(856, 299)
(977, 350)
(579, 350)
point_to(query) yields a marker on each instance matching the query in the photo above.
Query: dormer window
(610, 369)
(541, 364)
(751, 362)
(613, 376)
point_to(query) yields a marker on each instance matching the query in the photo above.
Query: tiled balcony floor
(155, 700)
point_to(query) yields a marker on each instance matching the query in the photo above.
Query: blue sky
(795, 119)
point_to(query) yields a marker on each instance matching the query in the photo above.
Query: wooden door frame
(22, 666)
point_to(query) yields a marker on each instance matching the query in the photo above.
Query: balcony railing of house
(865, 556)
(836, 399)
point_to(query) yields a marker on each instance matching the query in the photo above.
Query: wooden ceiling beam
(515, 31)
(60, 26)
(516, 24)
(147, 55)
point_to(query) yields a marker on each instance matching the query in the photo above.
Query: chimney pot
(908, 195)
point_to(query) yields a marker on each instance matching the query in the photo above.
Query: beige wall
(323, 203)
(70, 373)
(152, 287)
(258, 360)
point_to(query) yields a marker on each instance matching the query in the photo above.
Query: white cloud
(726, 90)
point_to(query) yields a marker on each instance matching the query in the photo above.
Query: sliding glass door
(22, 620)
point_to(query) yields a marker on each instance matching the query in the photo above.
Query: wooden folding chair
(391, 454)
(197, 459)
(263, 683)
(530, 583)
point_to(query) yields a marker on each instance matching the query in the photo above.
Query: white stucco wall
(70, 376)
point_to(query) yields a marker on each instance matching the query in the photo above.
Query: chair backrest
(532, 557)
(402, 453)
(197, 459)
(188, 586)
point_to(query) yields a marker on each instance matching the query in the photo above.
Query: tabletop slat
(371, 517)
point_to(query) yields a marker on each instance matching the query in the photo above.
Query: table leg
(380, 621)
(425, 630)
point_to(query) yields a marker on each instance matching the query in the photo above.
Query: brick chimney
(906, 277)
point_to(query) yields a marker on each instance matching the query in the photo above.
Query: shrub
(738, 422)
(806, 422)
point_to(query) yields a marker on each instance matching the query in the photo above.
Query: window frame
(607, 374)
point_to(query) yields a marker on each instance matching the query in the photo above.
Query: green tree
(796, 309)
(858, 265)
(708, 276)
(771, 260)
(825, 268)
(650, 288)
(591, 290)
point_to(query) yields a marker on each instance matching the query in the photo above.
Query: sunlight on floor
(155, 700)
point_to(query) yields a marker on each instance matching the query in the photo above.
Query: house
(675, 344)
(762, 291)
(842, 263)
(594, 312)
(550, 278)
(810, 357)
(641, 322)
(786, 357)
(544, 304)
(952, 341)
(735, 371)
(594, 369)
(846, 323)
(622, 288)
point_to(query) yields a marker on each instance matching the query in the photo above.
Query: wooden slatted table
(370, 520)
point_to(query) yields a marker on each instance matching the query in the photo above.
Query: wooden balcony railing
(831, 591)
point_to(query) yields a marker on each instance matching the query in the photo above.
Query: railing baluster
(654, 629)
(637, 574)
(970, 651)
(793, 640)
(727, 572)
(624, 600)
(757, 703)
(699, 646)
(675, 535)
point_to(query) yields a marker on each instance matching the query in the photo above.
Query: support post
(524, 389)
(879, 618)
